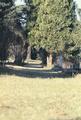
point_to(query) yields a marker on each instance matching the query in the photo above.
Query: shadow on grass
(34, 73)
(78, 118)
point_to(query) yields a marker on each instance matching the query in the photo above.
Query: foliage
(49, 24)
(53, 25)
(5, 5)
(12, 30)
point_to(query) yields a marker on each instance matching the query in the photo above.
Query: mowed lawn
(40, 99)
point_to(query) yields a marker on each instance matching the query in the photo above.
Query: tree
(5, 6)
(54, 24)
(16, 20)
(13, 35)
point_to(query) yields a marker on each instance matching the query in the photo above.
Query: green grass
(40, 99)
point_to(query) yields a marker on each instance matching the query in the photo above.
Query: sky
(19, 2)
(78, 3)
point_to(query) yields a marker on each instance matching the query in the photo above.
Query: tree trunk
(49, 61)
(18, 59)
(28, 53)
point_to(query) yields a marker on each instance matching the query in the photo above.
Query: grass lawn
(40, 99)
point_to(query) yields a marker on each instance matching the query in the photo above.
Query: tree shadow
(78, 118)
(34, 71)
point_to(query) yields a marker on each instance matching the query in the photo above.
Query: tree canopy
(50, 24)
(55, 25)
(5, 6)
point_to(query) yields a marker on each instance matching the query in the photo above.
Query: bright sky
(78, 3)
(19, 2)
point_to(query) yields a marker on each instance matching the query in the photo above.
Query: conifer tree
(54, 24)
(55, 27)
(5, 6)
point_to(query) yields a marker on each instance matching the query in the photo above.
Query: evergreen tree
(5, 6)
(13, 36)
(54, 24)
